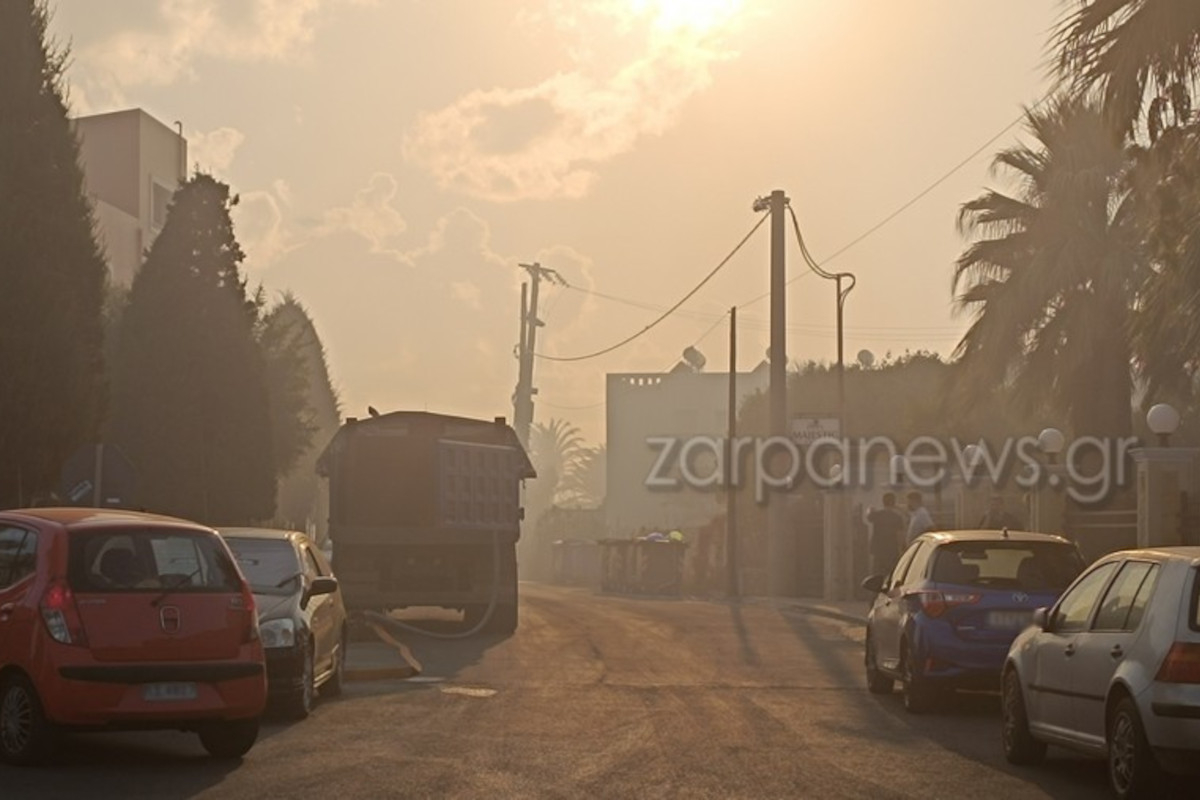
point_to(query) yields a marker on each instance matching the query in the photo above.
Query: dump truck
(425, 510)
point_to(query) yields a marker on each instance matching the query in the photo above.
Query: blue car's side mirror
(873, 584)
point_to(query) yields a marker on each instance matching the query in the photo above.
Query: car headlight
(277, 633)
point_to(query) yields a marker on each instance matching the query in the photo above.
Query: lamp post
(1168, 483)
(1048, 512)
(1163, 420)
(971, 456)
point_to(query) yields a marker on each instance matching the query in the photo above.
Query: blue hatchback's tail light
(935, 603)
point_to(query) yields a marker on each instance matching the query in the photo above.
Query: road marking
(467, 691)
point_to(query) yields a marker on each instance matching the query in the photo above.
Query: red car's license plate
(169, 691)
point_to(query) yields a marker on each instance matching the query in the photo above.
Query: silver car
(1113, 669)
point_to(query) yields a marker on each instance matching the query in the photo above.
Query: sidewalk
(852, 611)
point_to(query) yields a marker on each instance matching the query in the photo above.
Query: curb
(380, 674)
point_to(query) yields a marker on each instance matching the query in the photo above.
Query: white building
(644, 407)
(132, 165)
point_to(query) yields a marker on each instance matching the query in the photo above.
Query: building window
(160, 201)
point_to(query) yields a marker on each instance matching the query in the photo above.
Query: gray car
(1113, 669)
(302, 619)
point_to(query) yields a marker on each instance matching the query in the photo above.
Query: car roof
(1188, 553)
(262, 533)
(73, 518)
(942, 537)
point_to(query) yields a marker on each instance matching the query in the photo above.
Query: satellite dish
(866, 359)
(694, 358)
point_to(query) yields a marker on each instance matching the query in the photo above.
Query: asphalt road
(597, 696)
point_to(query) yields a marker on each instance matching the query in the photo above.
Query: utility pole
(781, 541)
(841, 362)
(523, 396)
(731, 564)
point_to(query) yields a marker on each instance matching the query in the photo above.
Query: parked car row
(124, 620)
(1103, 659)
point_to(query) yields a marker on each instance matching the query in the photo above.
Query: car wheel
(1019, 745)
(1132, 770)
(337, 678)
(918, 694)
(26, 736)
(231, 739)
(299, 703)
(877, 682)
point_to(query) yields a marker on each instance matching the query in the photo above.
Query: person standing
(919, 519)
(997, 517)
(887, 526)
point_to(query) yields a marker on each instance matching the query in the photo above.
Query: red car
(121, 620)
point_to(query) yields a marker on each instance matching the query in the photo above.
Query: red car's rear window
(150, 560)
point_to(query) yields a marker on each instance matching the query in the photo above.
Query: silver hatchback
(1113, 669)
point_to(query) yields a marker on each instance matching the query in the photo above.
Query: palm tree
(1144, 56)
(554, 448)
(586, 477)
(1127, 49)
(1048, 278)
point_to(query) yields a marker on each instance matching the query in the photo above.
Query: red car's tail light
(61, 616)
(1182, 664)
(934, 604)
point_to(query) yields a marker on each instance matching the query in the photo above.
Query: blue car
(944, 618)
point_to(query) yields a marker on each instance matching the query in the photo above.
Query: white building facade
(645, 409)
(132, 165)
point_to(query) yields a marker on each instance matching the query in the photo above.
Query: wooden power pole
(523, 396)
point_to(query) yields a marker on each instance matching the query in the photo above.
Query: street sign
(98, 475)
(808, 428)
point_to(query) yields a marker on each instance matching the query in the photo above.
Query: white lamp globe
(1051, 441)
(1163, 419)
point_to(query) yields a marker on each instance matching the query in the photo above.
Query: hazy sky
(397, 159)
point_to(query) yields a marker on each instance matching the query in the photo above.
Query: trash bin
(615, 564)
(577, 563)
(659, 567)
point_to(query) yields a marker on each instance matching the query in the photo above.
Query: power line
(909, 204)
(573, 408)
(755, 322)
(670, 310)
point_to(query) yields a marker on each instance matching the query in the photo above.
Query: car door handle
(1069, 650)
(6, 611)
(1117, 652)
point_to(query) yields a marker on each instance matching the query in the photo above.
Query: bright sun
(698, 15)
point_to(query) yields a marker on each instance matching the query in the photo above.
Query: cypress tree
(52, 274)
(191, 406)
(305, 412)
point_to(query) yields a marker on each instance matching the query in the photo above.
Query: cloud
(259, 221)
(244, 31)
(214, 151)
(544, 141)
(371, 216)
